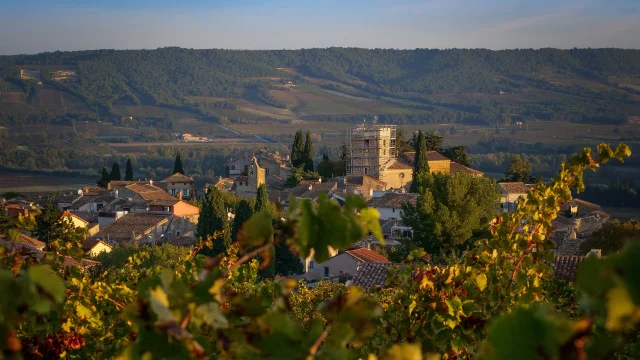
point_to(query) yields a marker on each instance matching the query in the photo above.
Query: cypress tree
(262, 204)
(297, 150)
(128, 173)
(177, 165)
(307, 155)
(104, 178)
(115, 172)
(286, 262)
(262, 200)
(243, 213)
(213, 217)
(420, 163)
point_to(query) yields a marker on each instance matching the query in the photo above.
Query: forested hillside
(401, 86)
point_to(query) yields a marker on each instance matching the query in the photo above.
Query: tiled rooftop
(178, 178)
(367, 255)
(371, 274)
(514, 187)
(137, 223)
(393, 200)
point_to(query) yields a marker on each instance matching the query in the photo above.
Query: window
(266, 171)
(185, 192)
(166, 209)
(233, 167)
(326, 271)
(366, 171)
(312, 264)
(178, 233)
(173, 192)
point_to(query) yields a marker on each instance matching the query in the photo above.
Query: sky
(33, 26)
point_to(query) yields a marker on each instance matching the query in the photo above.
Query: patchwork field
(25, 183)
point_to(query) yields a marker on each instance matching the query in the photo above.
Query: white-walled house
(511, 192)
(342, 264)
(389, 205)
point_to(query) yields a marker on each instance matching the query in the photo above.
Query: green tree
(128, 174)
(433, 141)
(115, 172)
(612, 237)
(519, 170)
(450, 209)
(242, 214)
(214, 219)
(297, 150)
(262, 199)
(105, 177)
(326, 167)
(402, 145)
(5, 221)
(307, 155)
(457, 154)
(286, 262)
(420, 162)
(51, 225)
(177, 165)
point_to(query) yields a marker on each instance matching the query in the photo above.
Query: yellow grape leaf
(160, 304)
(619, 307)
(215, 289)
(404, 351)
(481, 281)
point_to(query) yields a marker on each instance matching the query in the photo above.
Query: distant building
(511, 193)
(247, 186)
(342, 264)
(390, 204)
(372, 152)
(180, 185)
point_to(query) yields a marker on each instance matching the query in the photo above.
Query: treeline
(167, 76)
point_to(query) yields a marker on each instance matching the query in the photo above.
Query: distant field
(217, 143)
(265, 110)
(152, 111)
(277, 128)
(25, 182)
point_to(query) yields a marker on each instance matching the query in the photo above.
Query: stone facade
(248, 186)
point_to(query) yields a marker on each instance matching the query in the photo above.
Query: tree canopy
(177, 165)
(128, 175)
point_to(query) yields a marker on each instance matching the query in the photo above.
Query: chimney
(179, 195)
(115, 193)
(151, 182)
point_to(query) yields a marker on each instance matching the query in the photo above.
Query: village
(151, 213)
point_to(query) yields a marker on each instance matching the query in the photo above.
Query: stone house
(93, 247)
(511, 192)
(363, 185)
(146, 228)
(342, 264)
(390, 204)
(247, 186)
(576, 221)
(179, 185)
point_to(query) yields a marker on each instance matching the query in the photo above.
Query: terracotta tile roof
(398, 165)
(278, 196)
(28, 240)
(316, 189)
(122, 183)
(367, 255)
(163, 202)
(454, 167)
(82, 263)
(178, 178)
(149, 192)
(431, 156)
(70, 214)
(393, 200)
(89, 244)
(566, 266)
(310, 182)
(89, 199)
(137, 223)
(514, 187)
(183, 241)
(371, 274)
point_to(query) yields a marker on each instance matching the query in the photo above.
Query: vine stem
(314, 349)
(248, 256)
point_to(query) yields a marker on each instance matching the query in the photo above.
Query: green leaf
(48, 281)
(369, 217)
(212, 315)
(256, 231)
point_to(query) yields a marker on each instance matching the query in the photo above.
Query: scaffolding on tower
(371, 148)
